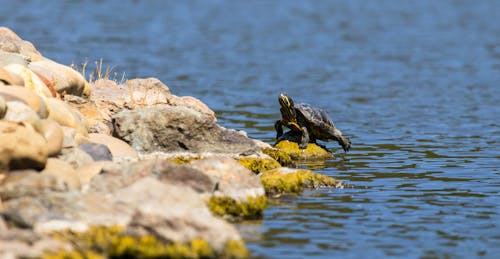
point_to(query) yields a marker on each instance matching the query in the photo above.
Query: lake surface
(414, 84)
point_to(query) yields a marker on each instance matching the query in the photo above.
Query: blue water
(414, 84)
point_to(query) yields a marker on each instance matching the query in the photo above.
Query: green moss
(236, 210)
(290, 150)
(113, 242)
(183, 160)
(258, 164)
(236, 249)
(282, 157)
(280, 181)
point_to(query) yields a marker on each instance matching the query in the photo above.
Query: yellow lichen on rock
(290, 150)
(286, 180)
(259, 164)
(231, 209)
(113, 242)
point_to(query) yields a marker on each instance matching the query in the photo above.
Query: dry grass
(99, 72)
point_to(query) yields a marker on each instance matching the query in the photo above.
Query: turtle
(308, 122)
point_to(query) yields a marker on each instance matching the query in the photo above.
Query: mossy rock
(183, 160)
(288, 153)
(286, 180)
(234, 210)
(113, 242)
(259, 164)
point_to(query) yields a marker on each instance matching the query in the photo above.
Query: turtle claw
(346, 144)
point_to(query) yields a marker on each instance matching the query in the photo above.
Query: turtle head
(287, 107)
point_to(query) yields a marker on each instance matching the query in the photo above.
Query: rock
(76, 157)
(30, 184)
(3, 107)
(31, 80)
(163, 170)
(146, 92)
(64, 78)
(192, 103)
(26, 212)
(25, 95)
(189, 220)
(120, 150)
(63, 114)
(287, 180)
(11, 249)
(231, 179)
(7, 58)
(53, 133)
(288, 153)
(86, 172)
(72, 138)
(7, 78)
(98, 120)
(258, 164)
(182, 175)
(62, 170)
(112, 179)
(238, 193)
(177, 129)
(98, 152)
(20, 112)
(148, 84)
(134, 93)
(10, 42)
(21, 146)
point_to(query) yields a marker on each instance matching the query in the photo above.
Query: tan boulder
(6, 77)
(64, 78)
(73, 138)
(19, 93)
(7, 58)
(31, 80)
(11, 42)
(20, 112)
(120, 150)
(21, 146)
(86, 172)
(53, 133)
(63, 114)
(3, 107)
(98, 120)
(192, 103)
(62, 170)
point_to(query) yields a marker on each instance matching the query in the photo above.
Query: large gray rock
(178, 129)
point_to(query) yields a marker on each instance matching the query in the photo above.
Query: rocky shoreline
(106, 169)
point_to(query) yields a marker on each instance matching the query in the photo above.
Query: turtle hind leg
(304, 139)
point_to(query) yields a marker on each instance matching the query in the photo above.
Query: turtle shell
(317, 121)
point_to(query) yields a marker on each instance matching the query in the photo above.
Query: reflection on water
(414, 84)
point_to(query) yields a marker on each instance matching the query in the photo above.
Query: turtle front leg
(344, 142)
(279, 128)
(304, 139)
